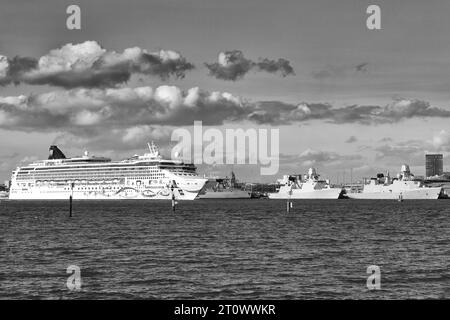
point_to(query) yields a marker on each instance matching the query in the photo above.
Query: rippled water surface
(226, 249)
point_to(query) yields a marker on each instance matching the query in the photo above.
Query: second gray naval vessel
(223, 188)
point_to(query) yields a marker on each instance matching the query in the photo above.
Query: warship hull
(417, 194)
(331, 193)
(235, 194)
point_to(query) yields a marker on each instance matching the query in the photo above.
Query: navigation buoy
(289, 206)
(70, 199)
(174, 202)
(289, 202)
(70, 206)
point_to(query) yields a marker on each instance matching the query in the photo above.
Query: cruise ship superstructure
(311, 187)
(140, 177)
(404, 186)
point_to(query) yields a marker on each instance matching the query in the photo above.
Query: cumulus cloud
(115, 140)
(362, 67)
(441, 140)
(394, 153)
(340, 71)
(322, 159)
(411, 152)
(281, 66)
(311, 157)
(89, 65)
(398, 110)
(232, 65)
(4, 65)
(81, 109)
(12, 70)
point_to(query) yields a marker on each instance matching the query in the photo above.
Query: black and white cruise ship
(87, 177)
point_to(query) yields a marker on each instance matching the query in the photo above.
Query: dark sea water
(226, 249)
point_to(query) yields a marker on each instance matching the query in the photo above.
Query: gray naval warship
(223, 188)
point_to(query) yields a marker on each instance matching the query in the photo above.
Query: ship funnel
(55, 153)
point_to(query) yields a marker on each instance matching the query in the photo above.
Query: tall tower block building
(434, 165)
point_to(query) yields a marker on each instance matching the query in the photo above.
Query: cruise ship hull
(102, 194)
(235, 194)
(415, 194)
(331, 193)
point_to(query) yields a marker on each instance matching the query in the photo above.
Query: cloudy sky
(344, 97)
